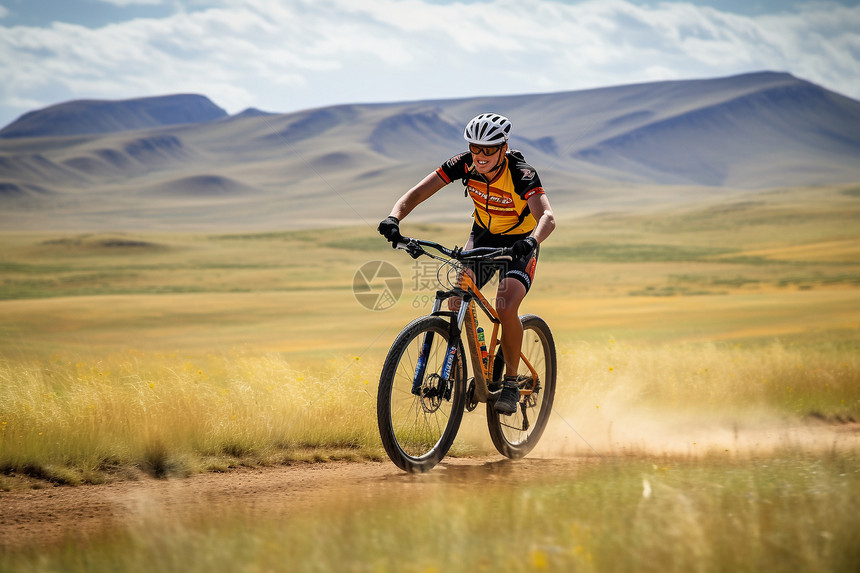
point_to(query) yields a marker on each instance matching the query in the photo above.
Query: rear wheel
(417, 429)
(516, 435)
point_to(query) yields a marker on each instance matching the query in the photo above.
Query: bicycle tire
(417, 431)
(509, 434)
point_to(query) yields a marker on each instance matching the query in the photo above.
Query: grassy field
(711, 351)
(260, 340)
(790, 512)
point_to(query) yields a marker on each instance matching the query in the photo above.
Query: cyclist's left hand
(523, 247)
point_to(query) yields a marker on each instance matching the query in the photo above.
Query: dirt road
(48, 516)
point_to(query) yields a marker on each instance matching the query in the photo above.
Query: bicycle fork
(450, 352)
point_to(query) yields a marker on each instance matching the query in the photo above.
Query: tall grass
(74, 421)
(71, 421)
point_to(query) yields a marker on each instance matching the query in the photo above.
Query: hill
(94, 116)
(615, 148)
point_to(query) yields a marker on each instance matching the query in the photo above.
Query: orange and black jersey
(501, 205)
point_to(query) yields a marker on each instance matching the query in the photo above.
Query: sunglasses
(488, 151)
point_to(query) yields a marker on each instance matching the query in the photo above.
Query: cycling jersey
(501, 206)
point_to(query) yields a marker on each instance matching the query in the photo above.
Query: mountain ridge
(619, 147)
(83, 117)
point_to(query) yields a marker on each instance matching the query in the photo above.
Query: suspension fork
(451, 352)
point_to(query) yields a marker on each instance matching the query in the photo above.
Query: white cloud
(283, 56)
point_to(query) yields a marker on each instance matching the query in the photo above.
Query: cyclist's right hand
(390, 229)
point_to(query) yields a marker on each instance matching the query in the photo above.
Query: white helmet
(488, 129)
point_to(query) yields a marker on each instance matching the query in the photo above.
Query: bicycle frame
(466, 316)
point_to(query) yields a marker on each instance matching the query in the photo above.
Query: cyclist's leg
(512, 290)
(509, 296)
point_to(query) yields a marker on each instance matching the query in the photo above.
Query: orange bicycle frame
(484, 373)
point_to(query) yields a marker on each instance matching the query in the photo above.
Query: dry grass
(73, 422)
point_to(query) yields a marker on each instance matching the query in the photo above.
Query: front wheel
(419, 412)
(514, 436)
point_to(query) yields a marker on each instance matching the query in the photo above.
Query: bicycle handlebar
(415, 247)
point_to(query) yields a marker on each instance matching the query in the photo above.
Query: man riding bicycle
(511, 210)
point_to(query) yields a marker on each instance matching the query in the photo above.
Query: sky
(290, 55)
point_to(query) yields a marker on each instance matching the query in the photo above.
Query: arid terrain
(49, 516)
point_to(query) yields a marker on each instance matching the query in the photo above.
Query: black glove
(390, 229)
(524, 247)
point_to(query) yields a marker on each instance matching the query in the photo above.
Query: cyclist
(511, 210)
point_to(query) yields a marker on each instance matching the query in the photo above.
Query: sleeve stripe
(442, 175)
(535, 191)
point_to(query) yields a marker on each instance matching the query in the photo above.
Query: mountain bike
(425, 388)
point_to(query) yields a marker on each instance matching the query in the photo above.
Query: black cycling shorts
(522, 269)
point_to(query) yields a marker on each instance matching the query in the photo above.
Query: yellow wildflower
(539, 559)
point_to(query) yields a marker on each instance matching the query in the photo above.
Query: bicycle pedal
(505, 412)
